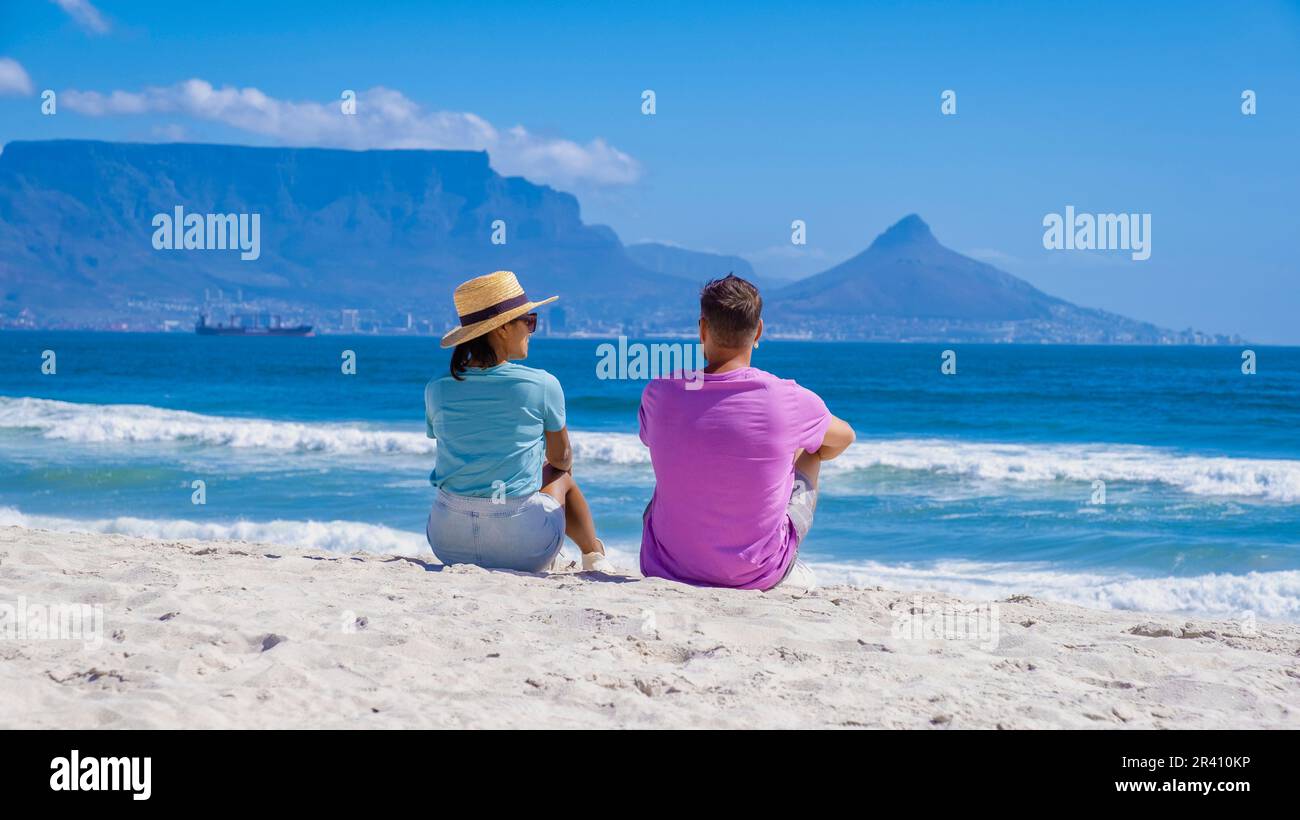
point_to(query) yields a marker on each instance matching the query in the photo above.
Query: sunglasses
(529, 319)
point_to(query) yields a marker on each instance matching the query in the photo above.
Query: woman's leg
(578, 523)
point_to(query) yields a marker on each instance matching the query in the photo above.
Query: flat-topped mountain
(384, 230)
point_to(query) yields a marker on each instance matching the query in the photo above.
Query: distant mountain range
(391, 233)
(697, 266)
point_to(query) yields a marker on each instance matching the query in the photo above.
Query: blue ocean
(1147, 478)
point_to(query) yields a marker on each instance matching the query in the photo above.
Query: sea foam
(1274, 595)
(334, 536)
(1267, 479)
(1271, 595)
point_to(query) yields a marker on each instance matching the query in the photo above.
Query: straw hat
(485, 303)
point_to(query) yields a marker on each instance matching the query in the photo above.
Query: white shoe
(800, 578)
(597, 562)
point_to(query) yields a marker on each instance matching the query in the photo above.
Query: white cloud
(384, 118)
(86, 15)
(992, 256)
(13, 78)
(171, 132)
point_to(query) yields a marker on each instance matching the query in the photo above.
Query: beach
(1071, 474)
(232, 634)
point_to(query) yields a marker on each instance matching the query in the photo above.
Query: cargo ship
(202, 328)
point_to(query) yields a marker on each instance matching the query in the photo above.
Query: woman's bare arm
(558, 452)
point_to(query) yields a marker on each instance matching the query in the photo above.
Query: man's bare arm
(838, 438)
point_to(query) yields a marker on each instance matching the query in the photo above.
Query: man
(736, 461)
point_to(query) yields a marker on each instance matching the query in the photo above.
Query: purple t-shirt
(723, 457)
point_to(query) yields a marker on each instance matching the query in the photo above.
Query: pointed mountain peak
(911, 230)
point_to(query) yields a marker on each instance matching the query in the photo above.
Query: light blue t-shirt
(489, 428)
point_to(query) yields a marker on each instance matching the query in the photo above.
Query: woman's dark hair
(477, 350)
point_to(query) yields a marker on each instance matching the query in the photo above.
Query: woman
(506, 497)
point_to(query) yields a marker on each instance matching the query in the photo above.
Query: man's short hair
(732, 307)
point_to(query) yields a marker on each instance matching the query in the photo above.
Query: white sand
(222, 634)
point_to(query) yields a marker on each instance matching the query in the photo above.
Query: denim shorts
(522, 534)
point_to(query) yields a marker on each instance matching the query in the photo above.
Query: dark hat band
(495, 310)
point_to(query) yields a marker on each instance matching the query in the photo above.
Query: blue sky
(765, 113)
